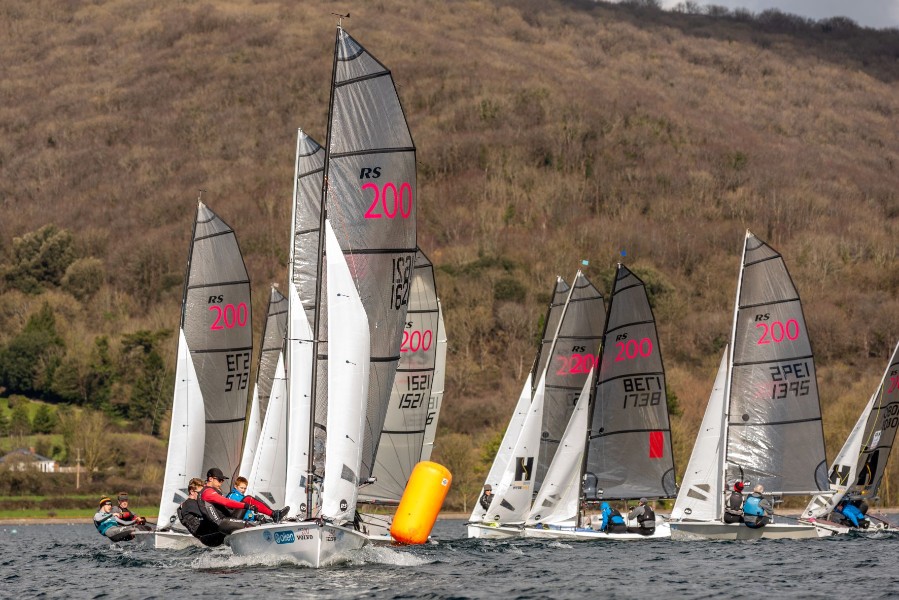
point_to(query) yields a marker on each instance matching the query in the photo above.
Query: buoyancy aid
(751, 506)
(647, 519)
(193, 515)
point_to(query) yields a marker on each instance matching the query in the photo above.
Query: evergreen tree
(28, 363)
(41, 257)
(151, 379)
(44, 421)
(4, 424)
(21, 420)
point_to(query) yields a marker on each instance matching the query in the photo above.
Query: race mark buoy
(421, 502)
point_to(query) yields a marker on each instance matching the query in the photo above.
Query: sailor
(851, 514)
(487, 496)
(194, 518)
(757, 511)
(612, 521)
(124, 514)
(212, 494)
(733, 508)
(239, 492)
(646, 518)
(107, 524)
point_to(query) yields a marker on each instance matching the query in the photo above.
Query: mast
(725, 415)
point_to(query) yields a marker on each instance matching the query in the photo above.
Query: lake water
(73, 561)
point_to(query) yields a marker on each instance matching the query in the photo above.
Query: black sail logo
(524, 466)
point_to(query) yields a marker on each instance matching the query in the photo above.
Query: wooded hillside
(548, 131)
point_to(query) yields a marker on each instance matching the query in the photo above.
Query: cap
(105, 500)
(123, 496)
(488, 487)
(738, 486)
(643, 500)
(215, 472)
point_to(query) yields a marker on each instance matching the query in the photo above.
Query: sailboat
(626, 452)
(215, 346)
(858, 469)
(762, 424)
(402, 438)
(364, 263)
(265, 444)
(567, 355)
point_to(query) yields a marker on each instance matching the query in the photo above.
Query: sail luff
(435, 402)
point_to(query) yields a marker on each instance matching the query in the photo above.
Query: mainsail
(859, 467)
(774, 432)
(214, 353)
(568, 358)
(629, 450)
(404, 427)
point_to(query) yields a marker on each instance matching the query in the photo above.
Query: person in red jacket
(212, 494)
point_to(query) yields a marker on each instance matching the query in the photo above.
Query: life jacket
(103, 522)
(647, 519)
(192, 514)
(751, 506)
(854, 515)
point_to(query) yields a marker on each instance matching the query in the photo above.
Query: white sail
(867, 447)
(251, 437)
(299, 405)
(348, 372)
(506, 448)
(269, 470)
(557, 501)
(701, 494)
(435, 402)
(186, 437)
(512, 498)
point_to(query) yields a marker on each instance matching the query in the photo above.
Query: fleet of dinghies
(350, 377)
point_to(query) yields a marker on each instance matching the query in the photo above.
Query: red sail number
(388, 201)
(413, 341)
(229, 316)
(631, 349)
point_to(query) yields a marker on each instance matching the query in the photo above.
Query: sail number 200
(388, 201)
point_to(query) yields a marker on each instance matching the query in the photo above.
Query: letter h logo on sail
(524, 466)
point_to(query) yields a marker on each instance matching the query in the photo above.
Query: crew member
(612, 521)
(757, 511)
(107, 524)
(646, 518)
(212, 494)
(733, 508)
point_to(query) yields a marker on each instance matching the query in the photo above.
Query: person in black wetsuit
(645, 516)
(733, 508)
(486, 497)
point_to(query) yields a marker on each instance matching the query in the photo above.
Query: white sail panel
(184, 459)
(435, 402)
(701, 494)
(268, 474)
(512, 498)
(348, 376)
(299, 406)
(557, 501)
(503, 459)
(273, 332)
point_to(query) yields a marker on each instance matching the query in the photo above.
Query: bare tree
(89, 431)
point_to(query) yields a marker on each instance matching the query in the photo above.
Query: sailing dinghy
(567, 355)
(623, 450)
(363, 267)
(215, 346)
(858, 469)
(762, 424)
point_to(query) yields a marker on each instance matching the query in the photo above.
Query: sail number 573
(389, 201)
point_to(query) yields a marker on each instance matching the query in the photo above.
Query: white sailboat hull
(554, 532)
(172, 540)
(493, 531)
(316, 544)
(716, 530)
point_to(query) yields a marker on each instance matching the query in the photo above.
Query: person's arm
(209, 495)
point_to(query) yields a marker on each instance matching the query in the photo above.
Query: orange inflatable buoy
(421, 502)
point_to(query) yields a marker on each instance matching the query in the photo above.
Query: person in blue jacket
(757, 511)
(612, 521)
(851, 514)
(109, 525)
(239, 492)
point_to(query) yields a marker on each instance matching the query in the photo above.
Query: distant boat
(363, 269)
(621, 449)
(858, 469)
(568, 352)
(762, 424)
(405, 426)
(215, 347)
